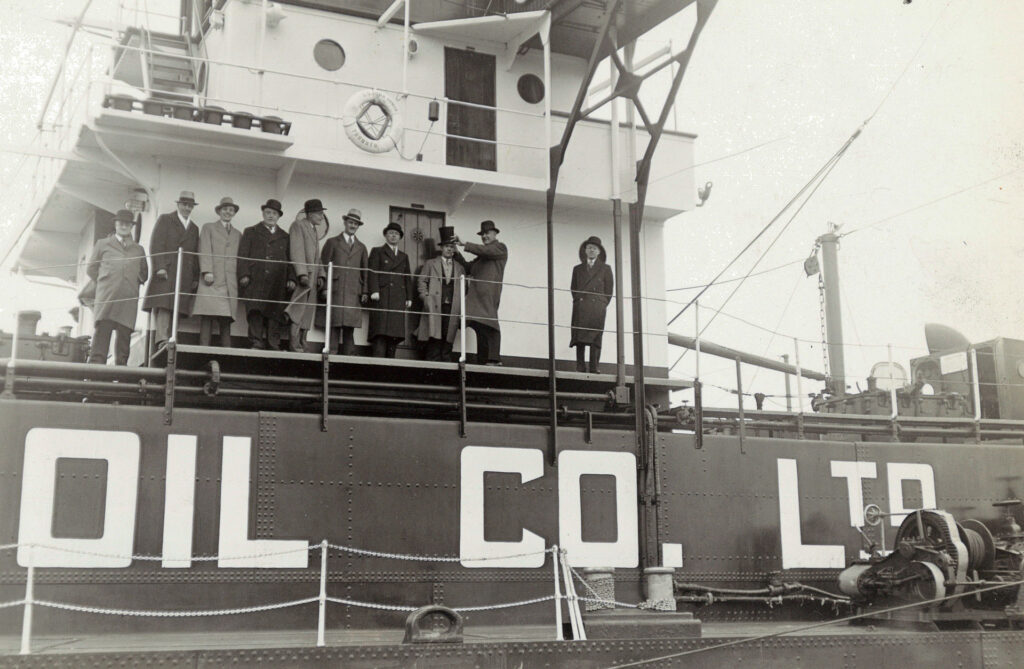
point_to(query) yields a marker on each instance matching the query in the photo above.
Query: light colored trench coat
(305, 257)
(429, 285)
(218, 254)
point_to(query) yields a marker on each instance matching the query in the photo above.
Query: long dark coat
(118, 271)
(429, 284)
(267, 291)
(348, 281)
(391, 276)
(218, 255)
(168, 236)
(483, 295)
(592, 289)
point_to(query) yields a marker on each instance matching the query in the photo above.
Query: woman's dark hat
(313, 205)
(354, 215)
(447, 234)
(596, 241)
(394, 226)
(275, 205)
(487, 226)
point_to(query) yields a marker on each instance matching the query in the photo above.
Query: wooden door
(469, 77)
(422, 230)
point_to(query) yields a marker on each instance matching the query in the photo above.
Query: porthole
(531, 88)
(329, 55)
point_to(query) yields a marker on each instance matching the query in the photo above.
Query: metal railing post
(976, 392)
(739, 400)
(177, 297)
(799, 389)
(892, 386)
(555, 557)
(11, 364)
(462, 318)
(327, 315)
(696, 337)
(26, 620)
(322, 620)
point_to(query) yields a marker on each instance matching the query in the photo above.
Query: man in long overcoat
(264, 281)
(217, 296)
(118, 266)
(483, 295)
(309, 228)
(438, 287)
(348, 282)
(172, 232)
(592, 287)
(389, 283)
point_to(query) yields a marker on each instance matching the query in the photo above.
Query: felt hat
(354, 215)
(225, 202)
(596, 241)
(394, 226)
(312, 206)
(187, 197)
(447, 234)
(487, 226)
(124, 216)
(273, 204)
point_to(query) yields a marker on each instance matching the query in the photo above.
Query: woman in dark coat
(264, 277)
(389, 283)
(592, 287)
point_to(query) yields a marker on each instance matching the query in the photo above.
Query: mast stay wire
(782, 316)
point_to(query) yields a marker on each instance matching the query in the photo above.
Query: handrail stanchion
(555, 556)
(739, 398)
(325, 360)
(322, 620)
(976, 391)
(462, 356)
(177, 298)
(894, 413)
(572, 601)
(799, 389)
(698, 398)
(26, 619)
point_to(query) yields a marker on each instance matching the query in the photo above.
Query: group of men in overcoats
(277, 278)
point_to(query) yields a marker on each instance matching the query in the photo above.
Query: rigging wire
(771, 339)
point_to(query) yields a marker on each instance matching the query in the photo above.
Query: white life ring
(372, 121)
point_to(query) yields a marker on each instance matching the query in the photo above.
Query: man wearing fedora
(592, 286)
(172, 232)
(118, 267)
(264, 282)
(389, 282)
(309, 228)
(438, 288)
(348, 282)
(483, 295)
(217, 296)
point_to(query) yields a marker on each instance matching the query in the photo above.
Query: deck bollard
(601, 581)
(322, 620)
(177, 299)
(26, 619)
(555, 555)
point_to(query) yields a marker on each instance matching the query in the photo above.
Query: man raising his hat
(118, 266)
(217, 296)
(172, 232)
(310, 226)
(389, 283)
(263, 277)
(348, 282)
(438, 288)
(484, 292)
(592, 286)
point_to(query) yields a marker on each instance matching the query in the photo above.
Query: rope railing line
(157, 558)
(174, 614)
(430, 558)
(86, 263)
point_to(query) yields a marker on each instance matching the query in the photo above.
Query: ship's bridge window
(329, 55)
(531, 88)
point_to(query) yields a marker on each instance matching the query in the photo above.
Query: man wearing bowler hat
(592, 286)
(438, 288)
(309, 228)
(348, 282)
(264, 282)
(389, 282)
(172, 232)
(118, 266)
(484, 292)
(217, 296)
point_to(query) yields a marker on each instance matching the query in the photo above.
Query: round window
(329, 54)
(531, 88)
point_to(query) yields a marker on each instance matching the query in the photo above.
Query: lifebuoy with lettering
(372, 121)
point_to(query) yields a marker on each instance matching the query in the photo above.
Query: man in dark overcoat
(264, 277)
(389, 282)
(118, 266)
(172, 232)
(348, 282)
(483, 294)
(438, 287)
(592, 287)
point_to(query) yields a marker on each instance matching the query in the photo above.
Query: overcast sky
(799, 77)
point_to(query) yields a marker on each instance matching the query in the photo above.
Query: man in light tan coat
(217, 295)
(308, 230)
(438, 286)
